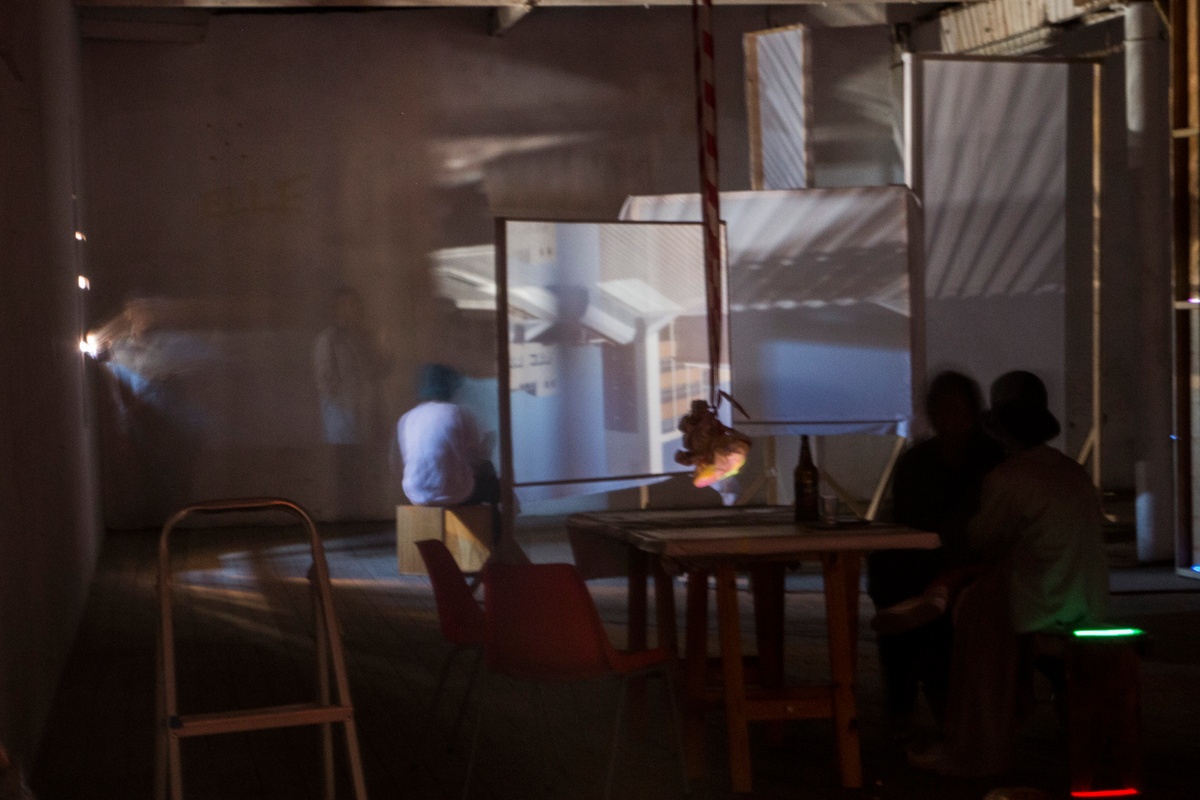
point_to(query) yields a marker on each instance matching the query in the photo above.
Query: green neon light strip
(1109, 632)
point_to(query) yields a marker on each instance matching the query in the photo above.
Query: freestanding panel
(779, 107)
(1000, 153)
(825, 305)
(604, 346)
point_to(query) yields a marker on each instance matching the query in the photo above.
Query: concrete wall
(238, 180)
(48, 525)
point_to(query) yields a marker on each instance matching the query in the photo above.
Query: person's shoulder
(915, 458)
(919, 451)
(1039, 464)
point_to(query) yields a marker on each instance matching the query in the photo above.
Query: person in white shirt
(444, 454)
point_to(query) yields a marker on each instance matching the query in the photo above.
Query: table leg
(839, 569)
(767, 583)
(729, 631)
(664, 608)
(853, 569)
(638, 569)
(695, 671)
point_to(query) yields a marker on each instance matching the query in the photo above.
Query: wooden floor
(243, 640)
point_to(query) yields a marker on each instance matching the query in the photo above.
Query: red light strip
(1108, 793)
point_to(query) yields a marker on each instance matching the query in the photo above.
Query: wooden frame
(750, 42)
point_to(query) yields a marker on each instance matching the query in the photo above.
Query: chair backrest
(459, 615)
(542, 623)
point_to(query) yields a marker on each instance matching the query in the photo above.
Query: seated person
(445, 456)
(936, 488)
(1040, 546)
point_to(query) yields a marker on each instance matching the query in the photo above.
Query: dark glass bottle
(806, 480)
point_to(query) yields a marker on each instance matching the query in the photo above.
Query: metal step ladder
(171, 727)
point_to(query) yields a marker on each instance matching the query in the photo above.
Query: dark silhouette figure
(936, 488)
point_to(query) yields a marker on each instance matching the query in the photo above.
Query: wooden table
(762, 540)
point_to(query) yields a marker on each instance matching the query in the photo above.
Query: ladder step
(254, 719)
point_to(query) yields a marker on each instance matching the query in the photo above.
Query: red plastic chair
(460, 618)
(543, 627)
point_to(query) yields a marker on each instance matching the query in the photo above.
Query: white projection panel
(779, 107)
(824, 334)
(1000, 154)
(607, 349)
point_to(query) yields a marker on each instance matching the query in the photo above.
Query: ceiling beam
(249, 5)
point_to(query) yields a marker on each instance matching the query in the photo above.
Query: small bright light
(89, 345)
(84, 283)
(80, 237)
(1107, 793)
(1093, 633)
(1196, 569)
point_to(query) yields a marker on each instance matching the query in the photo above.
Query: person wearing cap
(1038, 534)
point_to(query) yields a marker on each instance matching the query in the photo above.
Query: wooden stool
(465, 530)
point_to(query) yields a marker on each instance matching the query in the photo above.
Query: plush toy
(715, 450)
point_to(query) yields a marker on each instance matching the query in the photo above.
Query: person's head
(1020, 410)
(439, 382)
(954, 404)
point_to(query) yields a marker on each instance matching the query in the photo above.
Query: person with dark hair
(936, 488)
(444, 455)
(1038, 534)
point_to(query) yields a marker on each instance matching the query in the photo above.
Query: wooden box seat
(465, 530)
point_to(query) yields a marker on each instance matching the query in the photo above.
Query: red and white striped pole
(710, 199)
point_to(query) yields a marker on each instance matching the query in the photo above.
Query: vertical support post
(1149, 166)
(914, 109)
(504, 387)
(1097, 416)
(1185, 190)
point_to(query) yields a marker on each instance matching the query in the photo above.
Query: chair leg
(547, 741)
(161, 735)
(612, 756)
(430, 713)
(669, 678)
(471, 757)
(462, 704)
